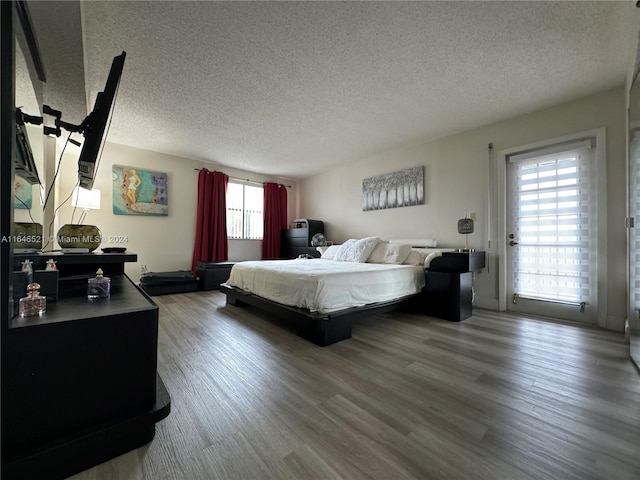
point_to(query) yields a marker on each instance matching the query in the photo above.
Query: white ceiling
(296, 88)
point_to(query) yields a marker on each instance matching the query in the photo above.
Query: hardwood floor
(408, 397)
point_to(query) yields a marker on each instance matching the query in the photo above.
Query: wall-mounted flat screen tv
(97, 123)
(25, 165)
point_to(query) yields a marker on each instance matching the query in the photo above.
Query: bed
(324, 296)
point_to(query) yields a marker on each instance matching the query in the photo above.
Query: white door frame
(500, 179)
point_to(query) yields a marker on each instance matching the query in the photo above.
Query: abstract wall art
(23, 194)
(139, 192)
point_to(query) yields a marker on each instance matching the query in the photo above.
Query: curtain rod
(243, 179)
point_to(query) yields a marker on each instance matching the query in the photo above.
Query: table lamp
(465, 227)
(76, 237)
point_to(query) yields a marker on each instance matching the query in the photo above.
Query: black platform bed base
(323, 329)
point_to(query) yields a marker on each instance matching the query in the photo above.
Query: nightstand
(448, 293)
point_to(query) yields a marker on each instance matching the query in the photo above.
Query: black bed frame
(320, 328)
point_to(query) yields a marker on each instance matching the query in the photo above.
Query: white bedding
(326, 285)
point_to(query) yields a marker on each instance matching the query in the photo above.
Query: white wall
(457, 179)
(161, 243)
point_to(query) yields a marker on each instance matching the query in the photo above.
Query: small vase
(99, 286)
(27, 235)
(33, 303)
(79, 236)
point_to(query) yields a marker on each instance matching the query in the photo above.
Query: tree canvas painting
(396, 189)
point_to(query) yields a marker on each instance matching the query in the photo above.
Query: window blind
(634, 212)
(553, 196)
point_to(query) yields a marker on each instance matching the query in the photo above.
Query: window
(244, 211)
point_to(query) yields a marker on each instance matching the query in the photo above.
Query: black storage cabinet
(210, 275)
(297, 239)
(448, 293)
(448, 296)
(164, 283)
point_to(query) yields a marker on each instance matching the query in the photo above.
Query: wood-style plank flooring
(408, 397)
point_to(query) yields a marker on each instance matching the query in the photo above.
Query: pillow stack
(389, 253)
(415, 257)
(357, 251)
(374, 250)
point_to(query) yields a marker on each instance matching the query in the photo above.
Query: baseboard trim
(486, 303)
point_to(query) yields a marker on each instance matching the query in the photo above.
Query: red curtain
(275, 219)
(211, 243)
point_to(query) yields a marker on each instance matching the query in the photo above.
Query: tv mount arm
(22, 118)
(59, 123)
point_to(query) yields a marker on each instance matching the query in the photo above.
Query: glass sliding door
(551, 225)
(634, 217)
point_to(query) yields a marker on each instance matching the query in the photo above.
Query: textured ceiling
(297, 88)
(58, 27)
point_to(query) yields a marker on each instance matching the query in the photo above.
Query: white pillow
(418, 242)
(415, 257)
(356, 251)
(328, 253)
(389, 253)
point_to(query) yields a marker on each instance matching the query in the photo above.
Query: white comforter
(326, 285)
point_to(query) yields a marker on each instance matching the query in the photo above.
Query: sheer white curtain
(553, 191)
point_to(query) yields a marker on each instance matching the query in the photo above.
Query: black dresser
(80, 383)
(296, 240)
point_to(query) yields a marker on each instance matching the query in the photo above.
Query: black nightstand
(448, 292)
(458, 262)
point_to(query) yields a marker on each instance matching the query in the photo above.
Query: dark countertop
(73, 303)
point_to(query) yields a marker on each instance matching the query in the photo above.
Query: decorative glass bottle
(27, 267)
(99, 286)
(33, 303)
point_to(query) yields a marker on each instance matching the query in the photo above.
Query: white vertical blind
(634, 212)
(553, 192)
